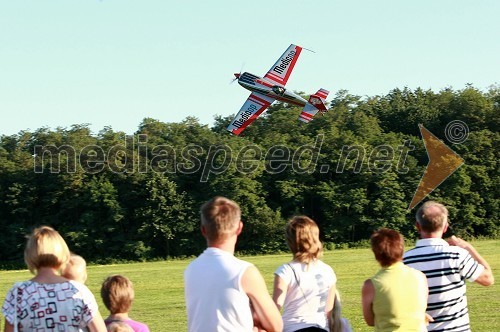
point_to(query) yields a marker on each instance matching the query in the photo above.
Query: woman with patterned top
(50, 302)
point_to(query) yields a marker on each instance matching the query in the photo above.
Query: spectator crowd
(422, 289)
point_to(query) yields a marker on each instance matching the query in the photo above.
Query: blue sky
(115, 62)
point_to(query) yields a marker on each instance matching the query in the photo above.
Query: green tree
(166, 220)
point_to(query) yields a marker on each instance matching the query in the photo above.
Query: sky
(112, 63)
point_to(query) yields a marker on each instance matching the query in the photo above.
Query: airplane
(265, 90)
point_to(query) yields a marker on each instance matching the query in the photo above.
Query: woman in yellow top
(395, 298)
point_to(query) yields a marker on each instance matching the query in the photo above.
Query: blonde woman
(49, 302)
(304, 287)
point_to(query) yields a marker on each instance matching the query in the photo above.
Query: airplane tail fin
(318, 99)
(316, 103)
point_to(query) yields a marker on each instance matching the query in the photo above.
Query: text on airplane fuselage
(284, 63)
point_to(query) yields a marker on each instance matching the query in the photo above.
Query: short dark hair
(432, 216)
(388, 246)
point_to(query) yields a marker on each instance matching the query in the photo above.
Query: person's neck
(435, 235)
(227, 246)
(47, 275)
(118, 316)
(392, 264)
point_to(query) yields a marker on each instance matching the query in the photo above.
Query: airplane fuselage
(265, 90)
(268, 88)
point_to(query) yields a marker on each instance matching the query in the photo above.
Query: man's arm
(486, 277)
(367, 296)
(255, 287)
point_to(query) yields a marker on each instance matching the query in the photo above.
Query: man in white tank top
(220, 289)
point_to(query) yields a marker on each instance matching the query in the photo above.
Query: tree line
(115, 196)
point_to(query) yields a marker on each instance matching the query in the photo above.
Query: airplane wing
(251, 109)
(280, 72)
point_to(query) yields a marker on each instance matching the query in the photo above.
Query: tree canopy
(135, 197)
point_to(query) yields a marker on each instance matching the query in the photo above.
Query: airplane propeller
(237, 75)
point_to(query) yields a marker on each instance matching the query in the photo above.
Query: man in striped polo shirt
(446, 264)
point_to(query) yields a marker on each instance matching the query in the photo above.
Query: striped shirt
(446, 268)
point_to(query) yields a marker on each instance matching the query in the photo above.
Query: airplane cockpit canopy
(279, 90)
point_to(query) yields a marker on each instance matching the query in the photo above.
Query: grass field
(160, 297)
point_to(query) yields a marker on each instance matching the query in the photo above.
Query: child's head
(302, 236)
(117, 293)
(76, 269)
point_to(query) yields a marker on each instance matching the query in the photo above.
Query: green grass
(160, 297)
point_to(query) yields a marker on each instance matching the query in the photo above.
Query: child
(76, 269)
(117, 293)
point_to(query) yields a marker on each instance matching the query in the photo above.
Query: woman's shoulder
(21, 284)
(322, 265)
(30, 288)
(18, 287)
(29, 284)
(284, 268)
(416, 274)
(68, 286)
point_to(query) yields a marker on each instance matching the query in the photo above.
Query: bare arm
(367, 296)
(329, 302)
(279, 291)
(97, 324)
(254, 286)
(486, 278)
(8, 326)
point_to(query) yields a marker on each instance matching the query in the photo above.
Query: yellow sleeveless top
(400, 299)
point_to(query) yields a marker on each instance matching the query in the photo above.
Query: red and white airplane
(265, 90)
